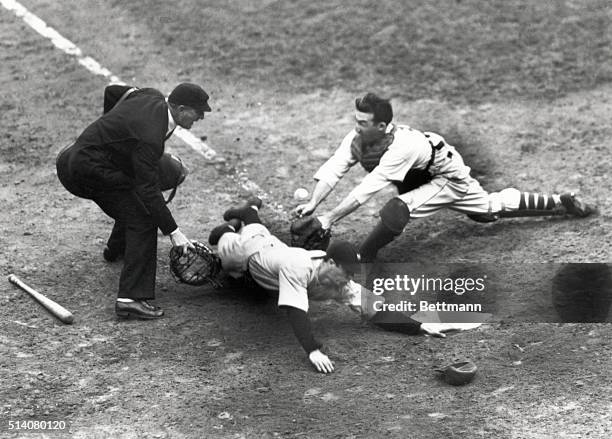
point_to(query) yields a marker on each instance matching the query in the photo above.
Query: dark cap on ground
(191, 95)
(345, 255)
(459, 373)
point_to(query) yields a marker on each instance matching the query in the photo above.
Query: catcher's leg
(511, 203)
(248, 212)
(393, 218)
(421, 202)
(232, 225)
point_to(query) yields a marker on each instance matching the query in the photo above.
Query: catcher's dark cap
(344, 254)
(191, 95)
(459, 373)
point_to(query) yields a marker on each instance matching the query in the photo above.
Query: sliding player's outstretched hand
(321, 361)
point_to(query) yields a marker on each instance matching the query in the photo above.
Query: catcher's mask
(195, 267)
(172, 172)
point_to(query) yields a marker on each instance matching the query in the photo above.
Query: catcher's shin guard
(394, 216)
(377, 239)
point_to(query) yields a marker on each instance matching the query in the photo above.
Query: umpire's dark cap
(190, 95)
(344, 254)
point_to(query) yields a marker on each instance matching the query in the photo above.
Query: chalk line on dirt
(96, 68)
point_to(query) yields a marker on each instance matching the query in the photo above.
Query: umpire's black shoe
(139, 309)
(575, 207)
(244, 212)
(109, 255)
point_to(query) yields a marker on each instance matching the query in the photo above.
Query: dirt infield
(523, 89)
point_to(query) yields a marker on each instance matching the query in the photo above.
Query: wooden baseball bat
(54, 308)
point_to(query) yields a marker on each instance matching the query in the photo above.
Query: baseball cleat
(238, 212)
(254, 201)
(575, 207)
(235, 223)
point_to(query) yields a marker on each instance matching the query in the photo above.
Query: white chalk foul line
(96, 68)
(91, 64)
(57, 39)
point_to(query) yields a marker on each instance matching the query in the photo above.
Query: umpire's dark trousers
(134, 234)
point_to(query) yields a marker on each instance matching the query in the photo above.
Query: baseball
(301, 194)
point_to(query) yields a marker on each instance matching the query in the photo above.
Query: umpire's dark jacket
(121, 151)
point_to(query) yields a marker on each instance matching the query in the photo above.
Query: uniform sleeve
(393, 166)
(292, 286)
(146, 175)
(300, 323)
(338, 164)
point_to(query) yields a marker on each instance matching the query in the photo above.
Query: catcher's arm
(302, 329)
(320, 191)
(347, 206)
(328, 175)
(372, 183)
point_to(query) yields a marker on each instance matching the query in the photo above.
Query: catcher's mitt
(195, 267)
(308, 233)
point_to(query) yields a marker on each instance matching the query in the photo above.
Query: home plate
(460, 320)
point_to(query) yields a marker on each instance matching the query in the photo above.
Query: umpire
(115, 162)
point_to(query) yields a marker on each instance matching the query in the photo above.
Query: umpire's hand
(321, 361)
(180, 240)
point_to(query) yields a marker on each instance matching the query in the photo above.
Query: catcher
(244, 245)
(428, 173)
